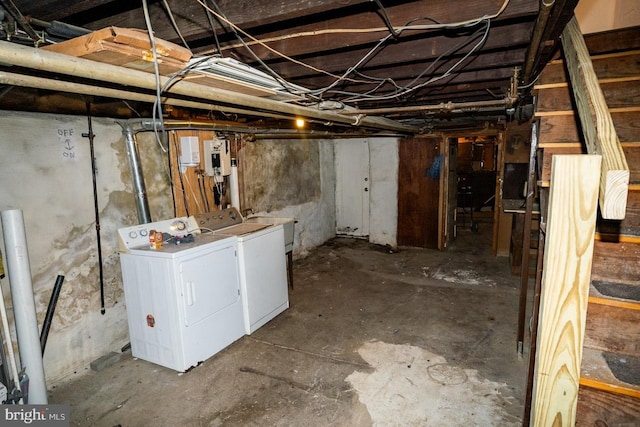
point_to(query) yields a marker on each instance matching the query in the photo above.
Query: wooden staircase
(609, 391)
(609, 386)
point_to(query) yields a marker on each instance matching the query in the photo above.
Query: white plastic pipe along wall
(24, 307)
(233, 185)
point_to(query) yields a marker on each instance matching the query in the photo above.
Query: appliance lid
(242, 229)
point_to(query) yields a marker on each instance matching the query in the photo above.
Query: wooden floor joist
(599, 132)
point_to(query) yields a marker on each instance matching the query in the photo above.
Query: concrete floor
(410, 338)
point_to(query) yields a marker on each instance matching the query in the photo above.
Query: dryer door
(208, 283)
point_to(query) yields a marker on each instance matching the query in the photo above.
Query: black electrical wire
(213, 29)
(202, 187)
(387, 21)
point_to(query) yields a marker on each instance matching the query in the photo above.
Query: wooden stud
(568, 251)
(526, 237)
(599, 132)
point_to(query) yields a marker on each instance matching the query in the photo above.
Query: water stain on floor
(414, 387)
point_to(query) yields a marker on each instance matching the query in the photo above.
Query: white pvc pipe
(9, 342)
(24, 307)
(233, 185)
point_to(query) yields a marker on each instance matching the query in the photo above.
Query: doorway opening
(477, 168)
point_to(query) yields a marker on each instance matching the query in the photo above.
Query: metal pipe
(51, 308)
(85, 89)
(443, 106)
(60, 29)
(536, 38)
(24, 306)
(139, 188)
(96, 209)
(140, 125)
(20, 19)
(39, 59)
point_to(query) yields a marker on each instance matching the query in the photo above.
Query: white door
(352, 187)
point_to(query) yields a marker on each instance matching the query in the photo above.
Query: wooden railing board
(597, 125)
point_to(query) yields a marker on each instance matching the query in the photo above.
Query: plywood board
(125, 47)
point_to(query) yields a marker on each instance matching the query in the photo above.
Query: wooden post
(565, 288)
(526, 237)
(599, 133)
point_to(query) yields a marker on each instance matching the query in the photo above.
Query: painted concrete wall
(294, 179)
(45, 170)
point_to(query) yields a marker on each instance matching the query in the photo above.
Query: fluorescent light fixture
(237, 71)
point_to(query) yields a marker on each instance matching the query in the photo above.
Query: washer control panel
(216, 220)
(137, 236)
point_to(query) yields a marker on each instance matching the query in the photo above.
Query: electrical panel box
(189, 151)
(217, 157)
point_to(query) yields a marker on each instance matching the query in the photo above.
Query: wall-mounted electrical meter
(217, 157)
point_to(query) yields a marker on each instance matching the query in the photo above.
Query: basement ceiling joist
(334, 35)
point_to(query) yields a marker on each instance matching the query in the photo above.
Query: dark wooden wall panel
(418, 192)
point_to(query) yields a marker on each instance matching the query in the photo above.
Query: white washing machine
(262, 264)
(183, 300)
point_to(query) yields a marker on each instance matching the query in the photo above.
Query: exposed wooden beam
(49, 10)
(324, 37)
(561, 13)
(71, 67)
(568, 253)
(597, 125)
(413, 50)
(490, 61)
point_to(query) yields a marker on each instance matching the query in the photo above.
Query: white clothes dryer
(183, 301)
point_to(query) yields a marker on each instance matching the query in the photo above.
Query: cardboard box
(126, 47)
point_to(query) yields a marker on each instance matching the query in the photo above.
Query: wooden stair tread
(602, 408)
(616, 262)
(596, 373)
(613, 325)
(615, 292)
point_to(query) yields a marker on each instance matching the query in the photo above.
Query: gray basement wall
(45, 170)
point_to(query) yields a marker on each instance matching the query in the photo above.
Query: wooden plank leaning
(568, 253)
(597, 126)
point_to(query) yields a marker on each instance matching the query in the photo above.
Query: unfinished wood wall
(609, 392)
